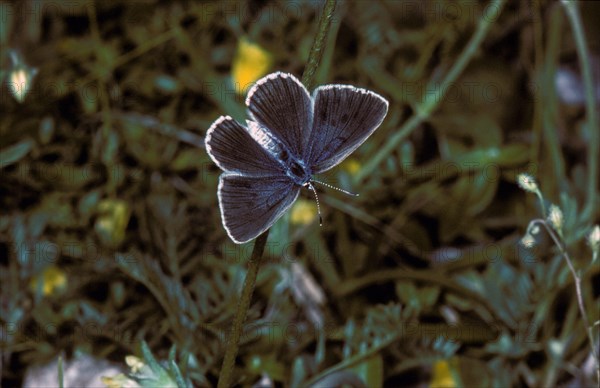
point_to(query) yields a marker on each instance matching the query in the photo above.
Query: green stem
(582, 310)
(593, 127)
(552, 167)
(538, 193)
(61, 380)
(317, 49)
(429, 104)
(537, 71)
(231, 351)
(242, 311)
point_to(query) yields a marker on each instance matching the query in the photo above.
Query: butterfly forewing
(233, 149)
(344, 117)
(250, 205)
(282, 105)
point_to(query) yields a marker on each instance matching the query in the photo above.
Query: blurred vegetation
(110, 231)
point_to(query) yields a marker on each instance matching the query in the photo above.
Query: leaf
(483, 190)
(370, 371)
(16, 152)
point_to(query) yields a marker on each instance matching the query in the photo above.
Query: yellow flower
(442, 375)
(112, 221)
(50, 280)
(250, 63)
(352, 166)
(303, 212)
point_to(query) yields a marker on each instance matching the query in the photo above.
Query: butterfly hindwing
(250, 205)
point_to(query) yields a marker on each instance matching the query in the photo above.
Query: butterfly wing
(233, 149)
(344, 117)
(281, 104)
(250, 205)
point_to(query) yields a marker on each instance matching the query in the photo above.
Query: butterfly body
(291, 135)
(292, 165)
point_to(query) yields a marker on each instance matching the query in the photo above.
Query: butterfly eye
(284, 155)
(297, 169)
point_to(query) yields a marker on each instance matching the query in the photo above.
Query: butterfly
(290, 136)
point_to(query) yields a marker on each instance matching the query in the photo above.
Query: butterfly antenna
(310, 186)
(335, 188)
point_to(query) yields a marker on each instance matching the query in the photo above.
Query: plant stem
(577, 279)
(552, 156)
(61, 380)
(314, 58)
(429, 104)
(317, 49)
(242, 310)
(537, 71)
(593, 127)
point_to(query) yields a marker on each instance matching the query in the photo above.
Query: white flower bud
(556, 218)
(527, 183)
(528, 241)
(594, 238)
(19, 82)
(135, 363)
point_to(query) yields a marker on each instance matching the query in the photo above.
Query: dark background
(110, 230)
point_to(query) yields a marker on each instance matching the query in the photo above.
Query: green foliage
(148, 372)
(111, 241)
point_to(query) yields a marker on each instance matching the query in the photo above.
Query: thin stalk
(242, 310)
(552, 167)
(61, 380)
(593, 127)
(577, 278)
(429, 104)
(318, 47)
(314, 58)
(537, 71)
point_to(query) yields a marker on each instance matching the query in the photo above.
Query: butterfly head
(298, 172)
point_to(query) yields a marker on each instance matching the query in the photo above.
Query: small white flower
(534, 229)
(527, 183)
(594, 238)
(556, 218)
(19, 83)
(20, 77)
(528, 241)
(135, 363)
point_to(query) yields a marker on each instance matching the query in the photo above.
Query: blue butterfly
(291, 136)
